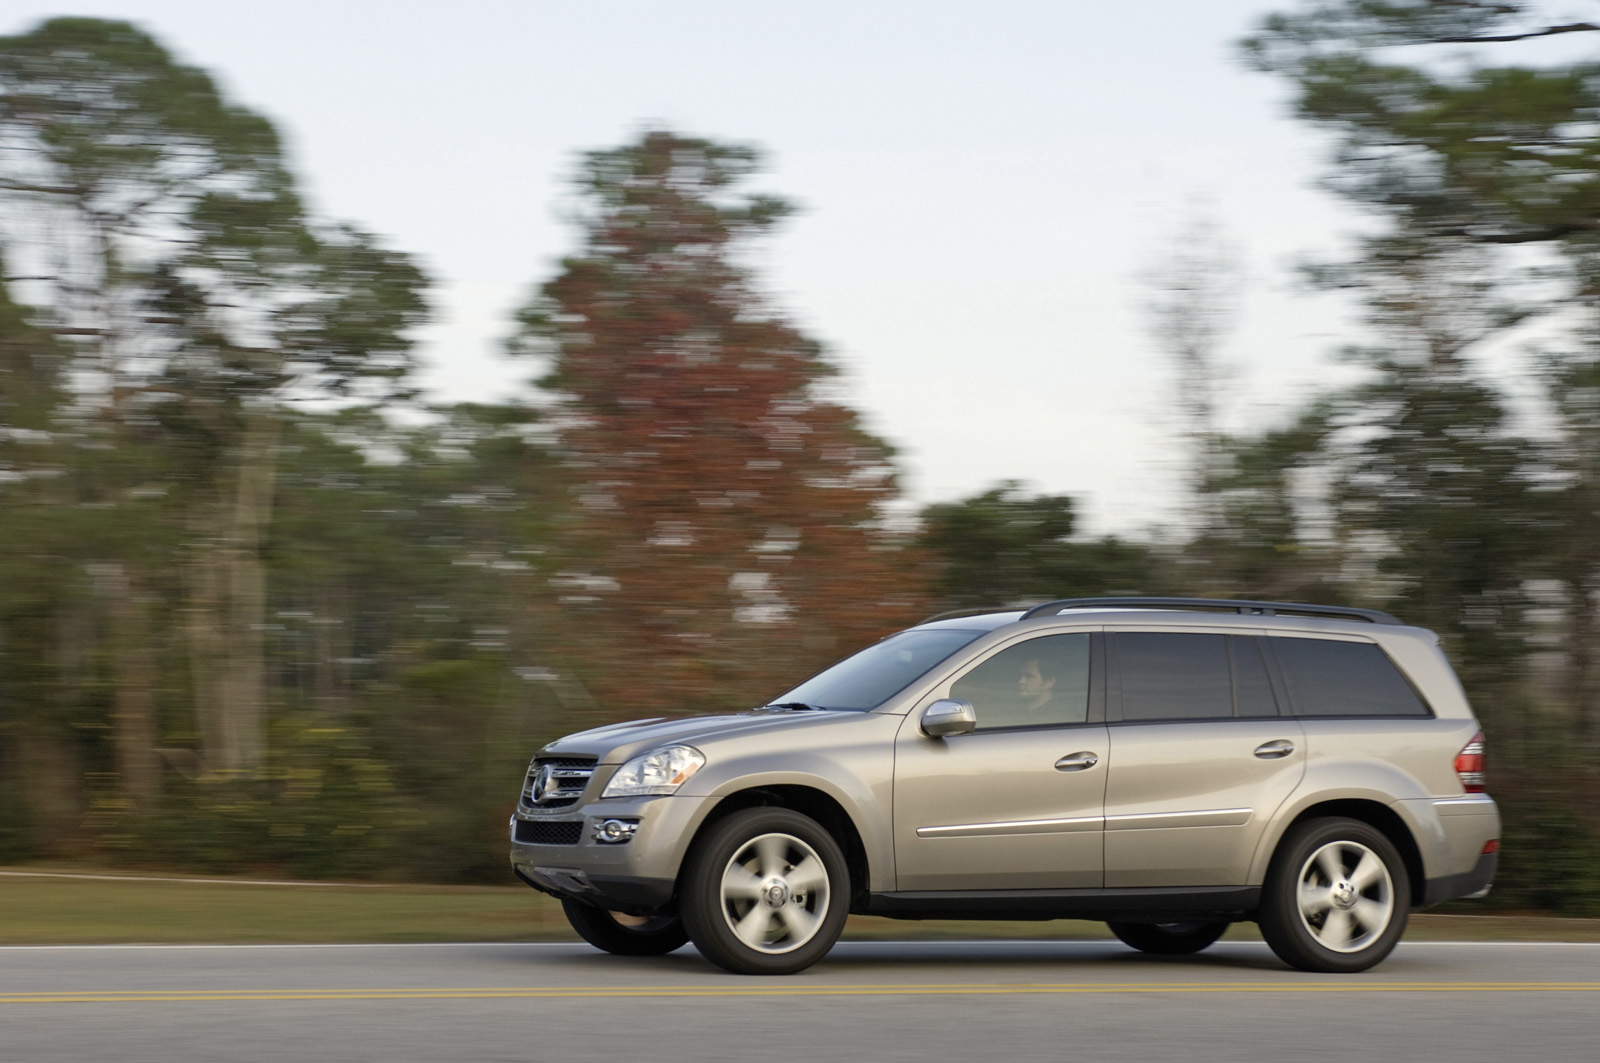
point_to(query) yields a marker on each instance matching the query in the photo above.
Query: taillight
(1469, 765)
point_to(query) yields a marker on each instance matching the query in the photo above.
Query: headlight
(660, 771)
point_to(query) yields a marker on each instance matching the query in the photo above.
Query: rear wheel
(1168, 939)
(625, 935)
(1337, 896)
(765, 891)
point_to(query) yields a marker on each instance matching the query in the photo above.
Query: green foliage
(1001, 547)
(1436, 508)
(325, 808)
(1455, 145)
(1449, 491)
(1255, 542)
(451, 730)
(1551, 857)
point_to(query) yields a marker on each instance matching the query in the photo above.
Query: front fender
(864, 798)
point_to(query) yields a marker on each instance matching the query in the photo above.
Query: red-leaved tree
(727, 530)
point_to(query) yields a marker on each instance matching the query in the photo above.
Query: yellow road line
(787, 991)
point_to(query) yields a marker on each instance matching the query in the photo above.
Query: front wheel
(625, 935)
(1168, 939)
(765, 891)
(1337, 897)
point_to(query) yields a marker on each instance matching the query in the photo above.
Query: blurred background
(332, 485)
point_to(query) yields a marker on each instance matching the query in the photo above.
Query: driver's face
(1030, 683)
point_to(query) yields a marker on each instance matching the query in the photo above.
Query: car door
(1200, 758)
(1016, 803)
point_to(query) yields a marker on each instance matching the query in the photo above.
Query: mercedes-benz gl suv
(1169, 766)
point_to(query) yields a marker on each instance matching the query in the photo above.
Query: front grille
(559, 832)
(556, 782)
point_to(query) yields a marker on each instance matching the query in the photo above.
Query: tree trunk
(1580, 662)
(1582, 565)
(51, 780)
(330, 647)
(228, 608)
(207, 646)
(133, 714)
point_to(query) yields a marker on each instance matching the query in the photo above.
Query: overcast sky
(982, 188)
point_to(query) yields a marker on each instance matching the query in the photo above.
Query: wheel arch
(809, 801)
(1376, 815)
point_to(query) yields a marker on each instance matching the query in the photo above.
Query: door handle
(1077, 761)
(1281, 747)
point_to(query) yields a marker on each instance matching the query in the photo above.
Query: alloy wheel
(774, 893)
(1345, 896)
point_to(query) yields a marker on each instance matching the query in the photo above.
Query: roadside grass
(81, 911)
(46, 906)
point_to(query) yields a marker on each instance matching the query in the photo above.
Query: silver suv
(1169, 766)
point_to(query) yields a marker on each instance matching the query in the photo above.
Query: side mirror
(949, 716)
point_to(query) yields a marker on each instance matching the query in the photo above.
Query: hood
(617, 742)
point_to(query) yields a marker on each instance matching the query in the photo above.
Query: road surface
(868, 1001)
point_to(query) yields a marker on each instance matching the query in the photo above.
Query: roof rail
(979, 610)
(1250, 608)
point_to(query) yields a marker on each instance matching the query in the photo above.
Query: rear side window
(1181, 676)
(1329, 678)
(1173, 676)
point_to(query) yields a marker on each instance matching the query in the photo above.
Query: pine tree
(155, 226)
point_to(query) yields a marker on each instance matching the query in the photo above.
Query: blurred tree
(38, 770)
(1001, 547)
(1477, 151)
(728, 528)
(409, 592)
(1459, 160)
(1447, 492)
(1190, 297)
(1244, 530)
(1436, 136)
(157, 227)
(1269, 536)
(1572, 384)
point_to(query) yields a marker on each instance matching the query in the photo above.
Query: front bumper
(560, 853)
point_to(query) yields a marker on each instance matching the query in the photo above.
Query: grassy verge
(39, 906)
(37, 911)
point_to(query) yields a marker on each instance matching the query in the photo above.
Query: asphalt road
(869, 1001)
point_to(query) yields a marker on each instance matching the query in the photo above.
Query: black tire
(1337, 896)
(764, 891)
(653, 937)
(1168, 939)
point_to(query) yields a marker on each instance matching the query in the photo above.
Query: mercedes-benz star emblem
(541, 781)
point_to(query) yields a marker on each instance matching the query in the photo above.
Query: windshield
(880, 671)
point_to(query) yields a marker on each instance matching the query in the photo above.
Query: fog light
(614, 831)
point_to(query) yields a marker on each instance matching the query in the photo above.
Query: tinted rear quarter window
(1331, 678)
(1173, 676)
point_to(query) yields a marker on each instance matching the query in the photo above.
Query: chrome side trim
(1019, 826)
(1218, 817)
(1470, 805)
